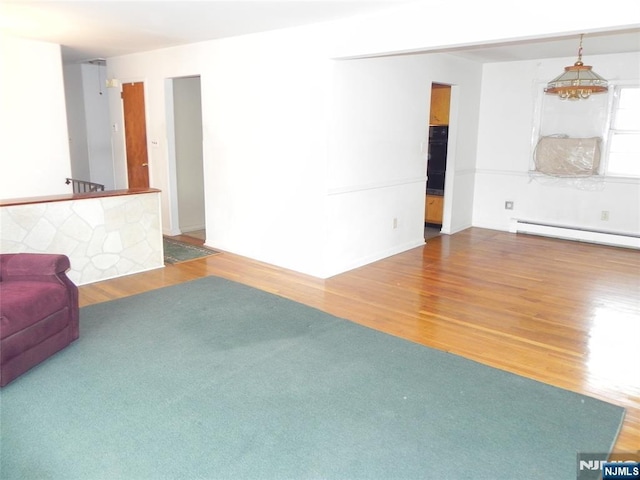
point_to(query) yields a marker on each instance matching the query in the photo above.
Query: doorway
(188, 156)
(439, 115)
(135, 128)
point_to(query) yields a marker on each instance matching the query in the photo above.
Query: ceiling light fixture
(578, 81)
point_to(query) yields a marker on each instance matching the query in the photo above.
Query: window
(623, 156)
(612, 118)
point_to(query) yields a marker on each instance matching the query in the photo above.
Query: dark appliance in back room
(437, 159)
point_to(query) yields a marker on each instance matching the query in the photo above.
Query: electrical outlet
(604, 215)
(395, 223)
(508, 205)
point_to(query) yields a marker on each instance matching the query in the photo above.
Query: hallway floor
(431, 232)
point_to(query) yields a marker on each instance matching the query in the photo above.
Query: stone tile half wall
(104, 237)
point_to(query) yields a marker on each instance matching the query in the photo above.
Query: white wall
(511, 96)
(377, 158)
(284, 185)
(88, 123)
(263, 112)
(34, 152)
(98, 130)
(308, 160)
(76, 122)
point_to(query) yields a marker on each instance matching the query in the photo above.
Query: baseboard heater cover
(576, 233)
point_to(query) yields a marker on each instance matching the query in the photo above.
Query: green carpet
(175, 251)
(215, 380)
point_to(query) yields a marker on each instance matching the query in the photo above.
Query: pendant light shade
(577, 82)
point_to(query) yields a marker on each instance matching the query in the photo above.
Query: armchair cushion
(38, 310)
(41, 267)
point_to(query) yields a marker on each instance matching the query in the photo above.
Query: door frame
(449, 170)
(172, 163)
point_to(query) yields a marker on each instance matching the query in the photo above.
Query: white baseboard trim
(192, 228)
(373, 258)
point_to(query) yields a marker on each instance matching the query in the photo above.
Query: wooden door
(135, 132)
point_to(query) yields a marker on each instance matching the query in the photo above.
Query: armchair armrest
(30, 266)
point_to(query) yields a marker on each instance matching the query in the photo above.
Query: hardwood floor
(564, 313)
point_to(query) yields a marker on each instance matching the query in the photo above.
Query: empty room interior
(395, 165)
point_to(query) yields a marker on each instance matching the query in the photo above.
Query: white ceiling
(601, 43)
(101, 29)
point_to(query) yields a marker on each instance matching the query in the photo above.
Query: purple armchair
(39, 312)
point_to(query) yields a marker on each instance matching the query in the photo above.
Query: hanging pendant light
(578, 81)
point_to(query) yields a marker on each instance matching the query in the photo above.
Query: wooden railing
(82, 186)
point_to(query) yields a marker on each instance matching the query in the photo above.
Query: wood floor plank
(560, 312)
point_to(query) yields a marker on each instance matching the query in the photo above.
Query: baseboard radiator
(574, 233)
